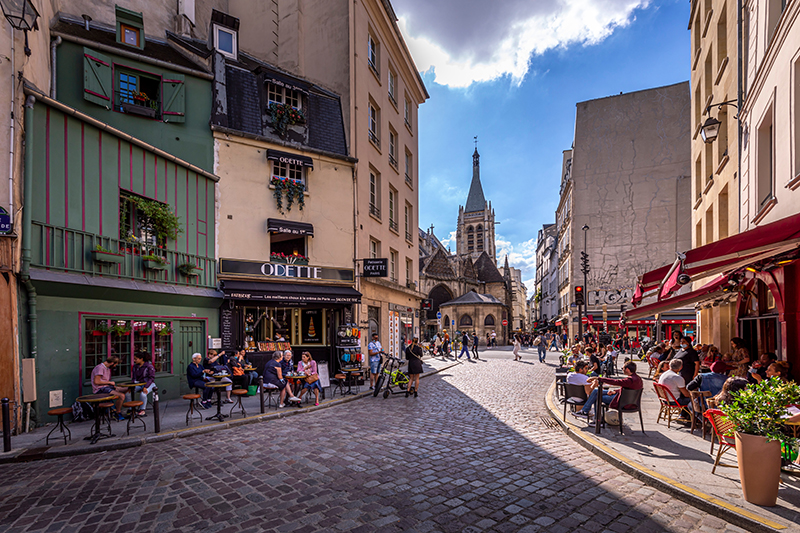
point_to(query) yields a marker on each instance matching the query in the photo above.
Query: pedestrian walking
(475, 345)
(542, 347)
(437, 345)
(517, 345)
(465, 346)
(414, 356)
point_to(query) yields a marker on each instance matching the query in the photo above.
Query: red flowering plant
(295, 258)
(295, 190)
(283, 116)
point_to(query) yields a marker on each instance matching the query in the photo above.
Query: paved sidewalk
(682, 459)
(30, 446)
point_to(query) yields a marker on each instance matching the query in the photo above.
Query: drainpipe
(27, 200)
(12, 135)
(739, 101)
(53, 45)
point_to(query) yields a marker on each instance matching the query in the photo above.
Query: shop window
(283, 95)
(282, 170)
(374, 319)
(287, 248)
(134, 225)
(138, 94)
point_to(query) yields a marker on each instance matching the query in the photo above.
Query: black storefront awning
(290, 227)
(289, 158)
(289, 293)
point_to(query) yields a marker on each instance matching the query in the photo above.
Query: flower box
(289, 260)
(136, 109)
(99, 333)
(106, 257)
(154, 265)
(146, 333)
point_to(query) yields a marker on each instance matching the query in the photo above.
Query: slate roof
(154, 49)
(322, 108)
(438, 266)
(487, 270)
(475, 199)
(473, 298)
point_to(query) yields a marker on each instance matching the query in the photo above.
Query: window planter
(98, 333)
(188, 270)
(106, 257)
(149, 264)
(136, 109)
(289, 260)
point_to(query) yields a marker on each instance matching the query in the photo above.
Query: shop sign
(258, 270)
(376, 268)
(402, 308)
(5, 222)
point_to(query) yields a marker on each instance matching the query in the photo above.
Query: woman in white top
(437, 345)
(517, 346)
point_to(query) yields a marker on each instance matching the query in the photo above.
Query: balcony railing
(409, 180)
(409, 237)
(393, 225)
(57, 248)
(374, 211)
(392, 160)
(373, 137)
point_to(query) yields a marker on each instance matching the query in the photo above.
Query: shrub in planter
(757, 413)
(103, 255)
(154, 262)
(101, 329)
(188, 269)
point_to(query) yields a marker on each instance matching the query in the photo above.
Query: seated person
(218, 364)
(663, 366)
(779, 369)
(657, 353)
(273, 375)
(579, 376)
(287, 366)
(102, 384)
(730, 386)
(574, 357)
(674, 381)
(710, 356)
(308, 366)
(197, 376)
(143, 371)
(710, 381)
(238, 363)
(631, 381)
(594, 361)
(759, 368)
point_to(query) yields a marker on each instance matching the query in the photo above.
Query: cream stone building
(567, 318)
(715, 165)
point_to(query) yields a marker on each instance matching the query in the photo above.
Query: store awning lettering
(290, 294)
(290, 227)
(290, 159)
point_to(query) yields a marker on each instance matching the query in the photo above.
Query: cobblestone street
(472, 453)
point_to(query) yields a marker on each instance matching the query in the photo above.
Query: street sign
(5, 222)
(452, 322)
(438, 314)
(427, 304)
(376, 268)
(505, 322)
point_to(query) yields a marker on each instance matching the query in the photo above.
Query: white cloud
(521, 256)
(450, 240)
(468, 41)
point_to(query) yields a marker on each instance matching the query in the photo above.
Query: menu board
(311, 326)
(226, 328)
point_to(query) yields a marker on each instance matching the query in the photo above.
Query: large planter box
(285, 262)
(154, 265)
(138, 110)
(106, 257)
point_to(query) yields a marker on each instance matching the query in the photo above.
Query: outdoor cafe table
(350, 373)
(97, 399)
(217, 386)
(131, 387)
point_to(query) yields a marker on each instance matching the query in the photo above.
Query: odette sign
(376, 268)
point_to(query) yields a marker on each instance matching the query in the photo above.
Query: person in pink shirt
(102, 383)
(308, 366)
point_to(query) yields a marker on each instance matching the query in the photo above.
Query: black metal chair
(574, 395)
(561, 379)
(630, 401)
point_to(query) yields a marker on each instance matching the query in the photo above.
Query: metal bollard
(6, 426)
(261, 392)
(156, 417)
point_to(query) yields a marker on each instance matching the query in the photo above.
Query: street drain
(549, 423)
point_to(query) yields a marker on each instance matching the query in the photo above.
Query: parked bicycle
(391, 375)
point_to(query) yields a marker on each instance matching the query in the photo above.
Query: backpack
(537, 341)
(82, 411)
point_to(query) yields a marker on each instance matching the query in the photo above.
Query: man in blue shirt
(374, 350)
(464, 346)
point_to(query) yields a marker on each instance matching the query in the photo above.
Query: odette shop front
(272, 306)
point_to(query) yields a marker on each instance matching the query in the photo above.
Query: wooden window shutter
(174, 98)
(98, 87)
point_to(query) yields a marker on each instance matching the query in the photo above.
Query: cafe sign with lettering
(257, 270)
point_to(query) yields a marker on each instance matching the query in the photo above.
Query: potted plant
(146, 331)
(121, 329)
(292, 259)
(100, 329)
(164, 221)
(154, 262)
(103, 255)
(166, 330)
(757, 414)
(283, 115)
(139, 106)
(188, 269)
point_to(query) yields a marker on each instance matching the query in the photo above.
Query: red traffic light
(579, 288)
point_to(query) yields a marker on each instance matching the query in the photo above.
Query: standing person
(464, 346)
(437, 345)
(102, 383)
(475, 345)
(143, 371)
(414, 356)
(691, 362)
(517, 356)
(446, 343)
(488, 340)
(542, 347)
(374, 350)
(740, 358)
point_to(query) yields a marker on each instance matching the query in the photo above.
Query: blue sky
(533, 61)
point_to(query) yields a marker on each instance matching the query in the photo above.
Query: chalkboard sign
(226, 328)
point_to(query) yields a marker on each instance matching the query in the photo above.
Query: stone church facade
(467, 287)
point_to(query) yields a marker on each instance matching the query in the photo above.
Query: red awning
(733, 252)
(706, 292)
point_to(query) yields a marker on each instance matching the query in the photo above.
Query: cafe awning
(289, 293)
(726, 254)
(708, 291)
(290, 227)
(290, 159)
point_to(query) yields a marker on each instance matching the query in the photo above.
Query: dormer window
(284, 95)
(225, 41)
(130, 27)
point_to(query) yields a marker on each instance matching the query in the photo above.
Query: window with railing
(407, 112)
(372, 54)
(374, 121)
(407, 221)
(138, 94)
(409, 270)
(392, 209)
(392, 147)
(393, 265)
(409, 167)
(374, 194)
(393, 87)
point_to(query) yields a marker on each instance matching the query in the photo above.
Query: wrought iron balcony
(374, 211)
(57, 248)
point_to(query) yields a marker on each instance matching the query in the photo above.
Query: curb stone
(133, 442)
(729, 512)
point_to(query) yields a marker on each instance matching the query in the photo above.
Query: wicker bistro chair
(574, 395)
(698, 407)
(653, 367)
(669, 405)
(630, 401)
(723, 430)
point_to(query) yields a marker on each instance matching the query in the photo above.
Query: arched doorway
(439, 294)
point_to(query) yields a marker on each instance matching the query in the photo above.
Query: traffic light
(427, 304)
(579, 294)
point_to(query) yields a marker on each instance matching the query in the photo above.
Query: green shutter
(97, 83)
(174, 98)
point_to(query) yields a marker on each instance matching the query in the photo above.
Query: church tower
(475, 230)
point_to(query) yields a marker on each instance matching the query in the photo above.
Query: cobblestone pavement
(471, 454)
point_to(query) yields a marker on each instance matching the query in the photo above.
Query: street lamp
(22, 15)
(710, 128)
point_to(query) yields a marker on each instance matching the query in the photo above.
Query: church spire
(475, 200)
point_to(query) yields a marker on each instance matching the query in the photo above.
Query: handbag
(313, 378)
